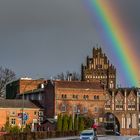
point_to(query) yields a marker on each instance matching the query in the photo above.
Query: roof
(37, 103)
(78, 85)
(16, 103)
(50, 120)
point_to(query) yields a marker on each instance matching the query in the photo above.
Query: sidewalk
(63, 138)
(67, 138)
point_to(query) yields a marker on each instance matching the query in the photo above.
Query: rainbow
(116, 35)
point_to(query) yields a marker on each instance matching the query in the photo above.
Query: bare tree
(74, 76)
(60, 76)
(6, 75)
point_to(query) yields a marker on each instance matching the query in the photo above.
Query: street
(100, 138)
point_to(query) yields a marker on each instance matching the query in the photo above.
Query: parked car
(117, 134)
(88, 135)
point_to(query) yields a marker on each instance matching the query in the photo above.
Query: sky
(41, 38)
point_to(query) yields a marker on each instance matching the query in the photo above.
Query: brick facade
(99, 68)
(124, 105)
(22, 85)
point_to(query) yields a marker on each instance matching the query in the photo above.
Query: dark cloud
(51, 36)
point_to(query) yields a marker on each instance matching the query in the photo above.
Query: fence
(38, 135)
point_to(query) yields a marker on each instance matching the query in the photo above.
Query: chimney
(70, 77)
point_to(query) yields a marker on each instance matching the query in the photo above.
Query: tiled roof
(16, 103)
(78, 85)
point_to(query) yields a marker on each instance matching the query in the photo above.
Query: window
(75, 96)
(119, 102)
(13, 121)
(85, 110)
(40, 119)
(40, 97)
(35, 113)
(40, 113)
(85, 97)
(96, 97)
(96, 109)
(131, 103)
(64, 96)
(75, 108)
(123, 121)
(63, 108)
(108, 105)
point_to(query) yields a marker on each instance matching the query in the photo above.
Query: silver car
(88, 135)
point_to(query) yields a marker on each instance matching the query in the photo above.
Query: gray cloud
(50, 36)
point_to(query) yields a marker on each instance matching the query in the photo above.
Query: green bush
(70, 123)
(15, 129)
(75, 123)
(59, 123)
(81, 124)
(27, 128)
(65, 123)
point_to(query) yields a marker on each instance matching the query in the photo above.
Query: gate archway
(111, 123)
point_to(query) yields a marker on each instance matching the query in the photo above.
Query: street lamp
(75, 113)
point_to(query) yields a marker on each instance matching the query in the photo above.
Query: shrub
(59, 123)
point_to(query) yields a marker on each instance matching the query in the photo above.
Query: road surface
(100, 138)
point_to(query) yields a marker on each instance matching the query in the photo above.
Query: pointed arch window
(119, 102)
(131, 102)
(108, 102)
(123, 121)
(75, 108)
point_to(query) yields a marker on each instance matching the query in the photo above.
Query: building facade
(22, 85)
(122, 110)
(17, 113)
(70, 97)
(117, 109)
(98, 67)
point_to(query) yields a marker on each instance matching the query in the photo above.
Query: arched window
(123, 121)
(119, 102)
(131, 102)
(134, 122)
(96, 109)
(108, 102)
(128, 121)
(85, 110)
(63, 108)
(75, 108)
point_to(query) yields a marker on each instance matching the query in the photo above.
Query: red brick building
(98, 67)
(72, 97)
(122, 109)
(22, 85)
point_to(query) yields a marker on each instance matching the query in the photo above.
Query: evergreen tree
(75, 123)
(81, 124)
(65, 123)
(59, 123)
(70, 124)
